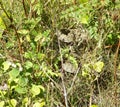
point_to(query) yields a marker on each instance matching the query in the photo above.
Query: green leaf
(46, 33)
(28, 38)
(28, 64)
(119, 67)
(2, 103)
(14, 73)
(22, 81)
(1, 32)
(51, 73)
(93, 106)
(42, 104)
(25, 100)
(32, 1)
(110, 36)
(84, 73)
(83, 1)
(28, 55)
(41, 87)
(6, 65)
(20, 67)
(86, 70)
(2, 25)
(20, 90)
(98, 66)
(41, 56)
(84, 19)
(118, 36)
(65, 51)
(23, 31)
(35, 90)
(73, 61)
(13, 102)
(39, 104)
(38, 37)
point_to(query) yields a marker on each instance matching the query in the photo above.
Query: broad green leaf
(42, 104)
(110, 36)
(38, 37)
(28, 64)
(37, 104)
(28, 55)
(28, 38)
(35, 90)
(22, 81)
(32, 1)
(41, 56)
(13, 102)
(6, 65)
(118, 36)
(98, 66)
(2, 103)
(84, 19)
(23, 31)
(2, 25)
(20, 67)
(46, 33)
(93, 106)
(41, 87)
(12, 87)
(14, 73)
(25, 100)
(21, 90)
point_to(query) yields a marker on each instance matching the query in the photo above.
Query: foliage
(33, 60)
(92, 69)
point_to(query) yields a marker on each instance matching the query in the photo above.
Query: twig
(2, 7)
(14, 28)
(73, 81)
(115, 73)
(62, 76)
(48, 75)
(23, 3)
(91, 93)
(110, 46)
(20, 45)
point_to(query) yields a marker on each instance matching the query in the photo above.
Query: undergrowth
(59, 53)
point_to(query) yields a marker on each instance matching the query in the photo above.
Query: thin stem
(115, 73)
(13, 26)
(73, 80)
(2, 7)
(19, 45)
(23, 3)
(91, 94)
(62, 76)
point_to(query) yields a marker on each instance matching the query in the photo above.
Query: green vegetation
(59, 53)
